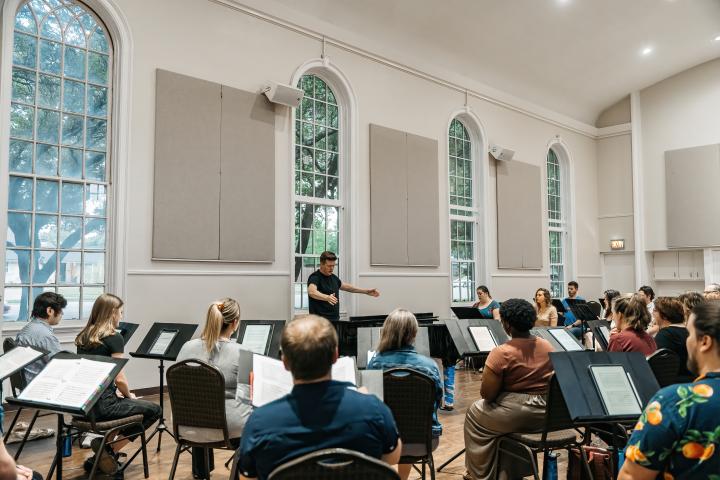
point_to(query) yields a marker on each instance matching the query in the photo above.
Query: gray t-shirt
(39, 335)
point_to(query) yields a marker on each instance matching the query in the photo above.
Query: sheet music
(615, 389)
(566, 340)
(344, 370)
(17, 358)
(67, 382)
(371, 354)
(255, 338)
(605, 333)
(270, 380)
(373, 381)
(483, 338)
(162, 342)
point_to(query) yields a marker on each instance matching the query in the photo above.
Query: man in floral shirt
(678, 434)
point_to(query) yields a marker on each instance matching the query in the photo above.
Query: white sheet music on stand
(17, 358)
(67, 382)
(605, 333)
(565, 339)
(255, 338)
(483, 338)
(162, 342)
(616, 390)
(371, 354)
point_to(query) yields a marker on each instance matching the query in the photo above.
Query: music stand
(598, 328)
(127, 330)
(466, 313)
(61, 409)
(582, 312)
(163, 342)
(252, 333)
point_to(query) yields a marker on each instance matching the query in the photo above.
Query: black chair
(558, 433)
(18, 382)
(595, 307)
(334, 464)
(664, 363)
(411, 398)
(197, 399)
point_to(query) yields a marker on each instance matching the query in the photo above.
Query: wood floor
(38, 454)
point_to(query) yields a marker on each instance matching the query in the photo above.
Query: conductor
(324, 289)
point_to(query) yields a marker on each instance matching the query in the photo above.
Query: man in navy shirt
(572, 323)
(324, 289)
(319, 413)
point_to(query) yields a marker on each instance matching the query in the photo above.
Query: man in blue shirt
(38, 333)
(678, 434)
(571, 323)
(319, 413)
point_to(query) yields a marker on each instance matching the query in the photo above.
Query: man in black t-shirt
(324, 289)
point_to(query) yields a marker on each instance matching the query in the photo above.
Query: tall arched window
(317, 182)
(463, 213)
(57, 208)
(557, 223)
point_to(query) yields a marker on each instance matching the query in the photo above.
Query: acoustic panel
(423, 214)
(519, 215)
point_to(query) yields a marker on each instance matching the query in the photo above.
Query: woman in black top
(668, 315)
(100, 337)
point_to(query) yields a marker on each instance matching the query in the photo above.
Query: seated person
(319, 413)
(608, 298)
(217, 348)
(676, 436)
(100, 337)
(547, 315)
(631, 319)
(689, 300)
(571, 323)
(38, 333)
(396, 349)
(486, 305)
(668, 314)
(514, 385)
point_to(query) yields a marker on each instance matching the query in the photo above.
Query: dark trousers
(198, 462)
(111, 407)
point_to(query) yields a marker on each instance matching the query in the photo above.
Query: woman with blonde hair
(547, 315)
(216, 347)
(396, 349)
(100, 337)
(632, 318)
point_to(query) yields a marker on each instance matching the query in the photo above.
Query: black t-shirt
(326, 284)
(673, 338)
(109, 345)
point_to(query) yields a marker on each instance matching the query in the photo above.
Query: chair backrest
(197, 396)
(595, 307)
(664, 364)
(17, 379)
(411, 398)
(557, 416)
(334, 463)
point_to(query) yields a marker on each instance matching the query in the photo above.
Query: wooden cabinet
(680, 265)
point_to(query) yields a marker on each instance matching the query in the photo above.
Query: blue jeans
(576, 332)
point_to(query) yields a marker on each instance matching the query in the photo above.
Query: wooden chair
(558, 433)
(197, 398)
(334, 464)
(411, 398)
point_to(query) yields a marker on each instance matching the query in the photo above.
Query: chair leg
(175, 462)
(431, 465)
(586, 463)
(12, 424)
(422, 466)
(234, 470)
(98, 454)
(27, 434)
(206, 460)
(143, 446)
(52, 467)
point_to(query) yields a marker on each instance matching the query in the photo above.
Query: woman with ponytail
(216, 347)
(631, 319)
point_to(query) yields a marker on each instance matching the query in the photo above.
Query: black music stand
(271, 330)
(127, 330)
(368, 338)
(61, 409)
(149, 349)
(582, 312)
(598, 329)
(545, 332)
(466, 313)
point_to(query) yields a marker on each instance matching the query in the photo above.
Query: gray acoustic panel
(423, 215)
(692, 195)
(187, 168)
(388, 197)
(247, 180)
(519, 215)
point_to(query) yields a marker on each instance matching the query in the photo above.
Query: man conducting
(324, 289)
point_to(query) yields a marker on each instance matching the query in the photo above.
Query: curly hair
(670, 309)
(519, 314)
(633, 309)
(690, 300)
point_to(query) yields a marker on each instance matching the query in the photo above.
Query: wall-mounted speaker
(284, 94)
(500, 153)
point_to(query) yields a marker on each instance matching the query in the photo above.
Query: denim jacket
(407, 357)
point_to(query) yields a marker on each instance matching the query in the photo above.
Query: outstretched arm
(373, 292)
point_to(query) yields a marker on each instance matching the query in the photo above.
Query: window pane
(94, 237)
(72, 198)
(74, 63)
(45, 266)
(21, 121)
(51, 28)
(72, 130)
(46, 161)
(25, 50)
(95, 199)
(19, 227)
(50, 57)
(98, 41)
(48, 126)
(74, 34)
(17, 266)
(94, 268)
(47, 196)
(70, 232)
(98, 68)
(74, 96)
(72, 295)
(70, 268)
(24, 20)
(23, 85)
(71, 163)
(97, 101)
(15, 305)
(95, 166)
(20, 195)
(45, 231)
(49, 92)
(96, 133)
(20, 156)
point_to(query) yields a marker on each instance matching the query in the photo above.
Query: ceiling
(575, 57)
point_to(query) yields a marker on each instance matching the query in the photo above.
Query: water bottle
(550, 469)
(67, 446)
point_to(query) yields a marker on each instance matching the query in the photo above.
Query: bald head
(309, 347)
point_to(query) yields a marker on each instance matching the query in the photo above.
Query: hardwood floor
(38, 454)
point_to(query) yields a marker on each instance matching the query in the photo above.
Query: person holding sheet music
(677, 436)
(38, 333)
(547, 315)
(216, 347)
(397, 349)
(669, 316)
(514, 385)
(100, 337)
(488, 307)
(631, 319)
(572, 323)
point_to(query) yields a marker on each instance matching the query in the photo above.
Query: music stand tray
(557, 303)
(467, 313)
(272, 341)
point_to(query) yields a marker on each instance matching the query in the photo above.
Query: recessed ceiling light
(646, 51)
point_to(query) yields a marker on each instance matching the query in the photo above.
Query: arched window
(463, 213)
(57, 208)
(557, 223)
(318, 202)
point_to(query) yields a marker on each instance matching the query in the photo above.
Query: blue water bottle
(550, 469)
(67, 446)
